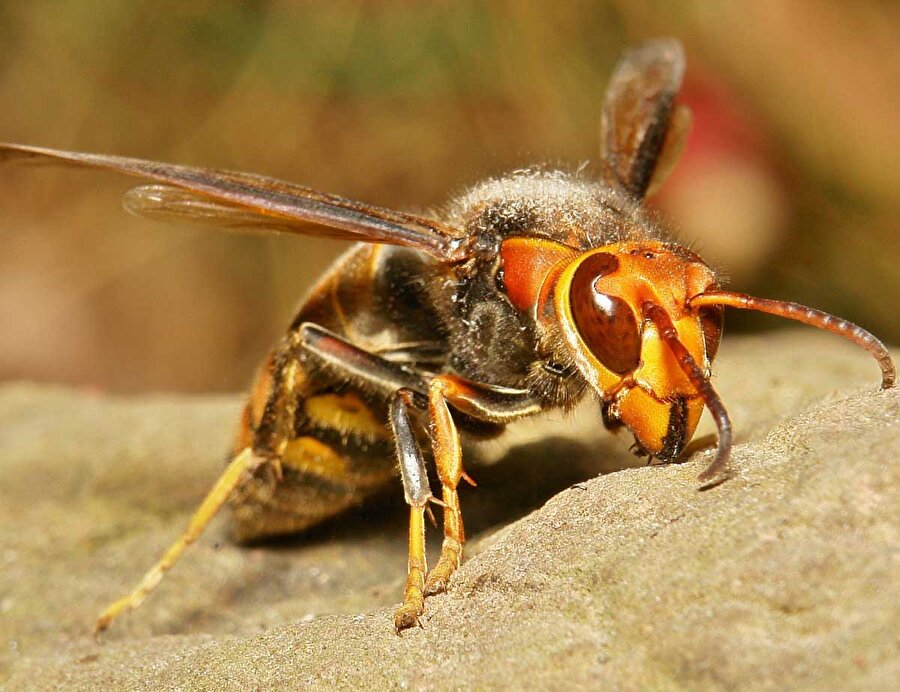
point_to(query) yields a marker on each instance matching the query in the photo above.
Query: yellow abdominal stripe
(309, 455)
(346, 413)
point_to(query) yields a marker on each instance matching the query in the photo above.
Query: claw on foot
(407, 616)
(448, 563)
(435, 585)
(102, 624)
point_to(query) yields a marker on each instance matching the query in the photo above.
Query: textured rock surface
(786, 576)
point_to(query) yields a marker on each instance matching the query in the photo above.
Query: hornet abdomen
(339, 450)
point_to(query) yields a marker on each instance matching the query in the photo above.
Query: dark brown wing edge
(638, 111)
(291, 208)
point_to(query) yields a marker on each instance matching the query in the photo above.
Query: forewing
(178, 205)
(638, 113)
(246, 200)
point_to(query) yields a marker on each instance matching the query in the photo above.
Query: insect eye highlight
(607, 324)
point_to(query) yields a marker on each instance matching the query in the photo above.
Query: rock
(786, 576)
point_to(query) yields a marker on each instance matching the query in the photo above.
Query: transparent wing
(245, 200)
(178, 205)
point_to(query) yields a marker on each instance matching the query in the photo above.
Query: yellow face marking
(659, 369)
(648, 417)
(346, 413)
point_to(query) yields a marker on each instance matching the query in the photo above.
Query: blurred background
(788, 185)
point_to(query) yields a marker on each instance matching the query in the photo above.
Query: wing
(244, 200)
(177, 205)
(637, 116)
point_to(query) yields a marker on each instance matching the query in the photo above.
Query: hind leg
(264, 444)
(239, 469)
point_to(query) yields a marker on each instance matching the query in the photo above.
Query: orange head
(607, 304)
(642, 321)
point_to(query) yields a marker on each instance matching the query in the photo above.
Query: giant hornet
(531, 292)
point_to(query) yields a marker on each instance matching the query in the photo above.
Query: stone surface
(785, 576)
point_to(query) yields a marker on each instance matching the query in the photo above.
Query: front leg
(448, 460)
(493, 404)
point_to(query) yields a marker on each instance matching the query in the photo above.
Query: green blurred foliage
(402, 104)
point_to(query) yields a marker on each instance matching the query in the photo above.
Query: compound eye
(607, 324)
(712, 320)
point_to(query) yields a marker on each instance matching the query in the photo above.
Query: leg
(268, 429)
(242, 465)
(485, 403)
(448, 459)
(412, 390)
(270, 435)
(418, 493)
(406, 389)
